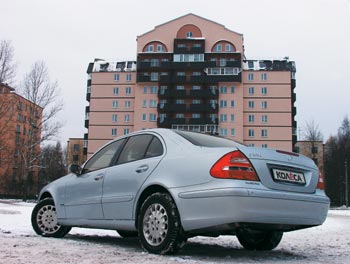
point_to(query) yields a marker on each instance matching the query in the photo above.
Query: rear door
(139, 157)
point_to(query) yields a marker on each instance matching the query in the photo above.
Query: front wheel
(159, 226)
(44, 220)
(259, 240)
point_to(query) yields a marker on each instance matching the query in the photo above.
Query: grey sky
(68, 35)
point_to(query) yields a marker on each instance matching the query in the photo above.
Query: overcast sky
(68, 34)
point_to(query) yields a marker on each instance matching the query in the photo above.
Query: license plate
(288, 176)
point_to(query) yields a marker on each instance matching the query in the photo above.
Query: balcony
(88, 95)
(203, 121)
(86, 125)
(235, 64)
(294, 97)
(143, 78)
(172, 107)
(168, 122)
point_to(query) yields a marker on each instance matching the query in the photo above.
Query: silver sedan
(165, 186)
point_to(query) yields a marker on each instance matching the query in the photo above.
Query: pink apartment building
(191, 73)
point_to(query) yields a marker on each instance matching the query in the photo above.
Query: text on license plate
(288, 176)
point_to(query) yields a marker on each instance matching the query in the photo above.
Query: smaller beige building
(314, 150)
(75, 151)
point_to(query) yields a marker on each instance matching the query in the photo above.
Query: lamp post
(346, 185)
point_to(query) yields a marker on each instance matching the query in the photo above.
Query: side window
(135, 148)
(103, 158)
(154, 149)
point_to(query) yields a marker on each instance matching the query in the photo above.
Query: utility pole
(346, 185)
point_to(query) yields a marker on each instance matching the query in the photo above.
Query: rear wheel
(44, 220)
(259, 240)
(159, 226)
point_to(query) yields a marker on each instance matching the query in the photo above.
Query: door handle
(99, 177)
(142, 168)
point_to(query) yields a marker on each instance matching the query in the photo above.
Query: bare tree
(38, 88)
(7, 64)
(312, 135)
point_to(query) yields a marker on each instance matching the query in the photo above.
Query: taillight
(234, 165)
(320, 184)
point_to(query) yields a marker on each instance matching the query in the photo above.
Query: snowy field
(329, 243)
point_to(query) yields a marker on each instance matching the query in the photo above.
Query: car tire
(44, 220)
(259, 240)
(159, 225)
(127, 234)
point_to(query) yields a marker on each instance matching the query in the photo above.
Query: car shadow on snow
(197, 250)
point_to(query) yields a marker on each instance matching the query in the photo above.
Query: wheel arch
(45, 195)
(146, 193)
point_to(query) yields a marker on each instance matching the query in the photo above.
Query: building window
(264, 132)
(218, 48)
(144, 117)
(251, 145)
(233, 89)
(223, 132)
(115, 104)
(128, 77)
(223, 103)
(163, 89)
(152, 117)
(196, 115)
(144, 103)
(196, 74)
(114, 131)
(189, 34)
(116, 77)
(154, 89)
(228, 47)
(223, 89)
(251, 64)
(251, 132)
(251, 90)
(264, 90)
(154, 62)
(114, 118)
(264, 118)
(160, 48)
(154, 76)
(264, 104)
(196, 87)
(127, 104)
(126, 131)
(180, 116)
(149, 48)
(222, 62)
(180, 87)
(264, 76)
(232, 118)
(153, 103)
(180, 101)
(251, 104)
(115, 90)
(126, 118)
(264, 145)
(128, 90)
(233, 132)
(250, 76)
(196, 101)
(232, 103)
(145, 89)
(223, 118)
(251, 118)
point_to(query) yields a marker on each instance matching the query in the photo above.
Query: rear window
(205, 140)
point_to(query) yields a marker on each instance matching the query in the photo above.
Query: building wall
(20, 127)
(75, 154)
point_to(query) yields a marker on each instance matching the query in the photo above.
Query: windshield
(205, 140)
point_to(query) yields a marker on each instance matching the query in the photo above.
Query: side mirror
(76, 169)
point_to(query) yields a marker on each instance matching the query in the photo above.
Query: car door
(84, 191)
(139, 157)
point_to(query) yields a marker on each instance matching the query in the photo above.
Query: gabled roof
(187, 15)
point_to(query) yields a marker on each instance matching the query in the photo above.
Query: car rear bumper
(211, 208)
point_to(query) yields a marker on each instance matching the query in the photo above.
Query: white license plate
(288, 176)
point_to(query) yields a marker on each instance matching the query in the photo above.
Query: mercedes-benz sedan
(165, 186)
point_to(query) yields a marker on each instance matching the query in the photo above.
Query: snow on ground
(329, 243)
